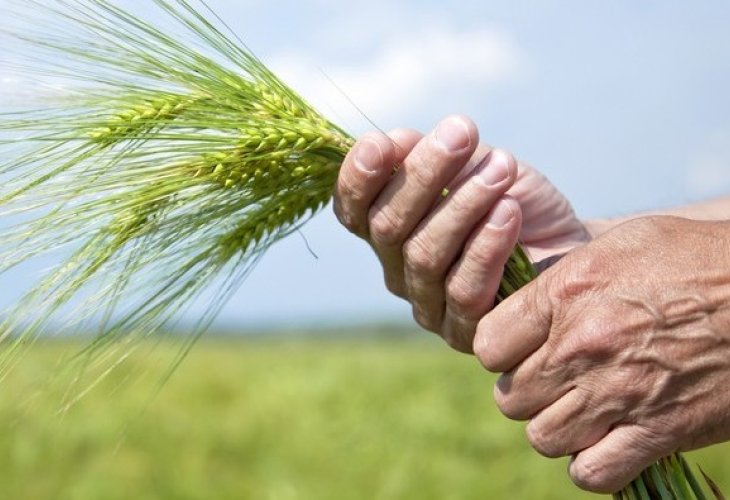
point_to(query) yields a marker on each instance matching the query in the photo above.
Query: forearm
(715, 209)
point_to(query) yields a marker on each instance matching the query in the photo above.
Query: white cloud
(408, 72)
(13, 87)
(19, 90)
(708, 172)
(23, 79)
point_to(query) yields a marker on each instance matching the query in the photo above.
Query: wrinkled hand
(620, 353)
(445, 254)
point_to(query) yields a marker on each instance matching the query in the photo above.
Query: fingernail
(368, 156)
(452, 134)
(495, 171)
(502, 214)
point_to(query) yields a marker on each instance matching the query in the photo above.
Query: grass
(280, 419)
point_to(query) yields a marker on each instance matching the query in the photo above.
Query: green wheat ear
(164, 171)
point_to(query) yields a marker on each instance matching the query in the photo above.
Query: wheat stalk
(169, 166)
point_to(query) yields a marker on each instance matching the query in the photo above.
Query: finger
(473, 281)
(419, 181)
(617, 459)
(366, 170)
(437, 242)
(572, 423)
(551, 217)
(532, 385)
(475, 162)
(404, 140)
(458, 332)
(516, 328)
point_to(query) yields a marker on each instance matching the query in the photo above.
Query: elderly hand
(445, 254)
(620, 353)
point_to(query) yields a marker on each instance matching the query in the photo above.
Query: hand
(445, 255)
(620, 353)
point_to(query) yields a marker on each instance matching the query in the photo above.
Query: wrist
(717, 209)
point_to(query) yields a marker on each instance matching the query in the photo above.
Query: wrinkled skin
(617, 355)
(620, 353)
(445, 255)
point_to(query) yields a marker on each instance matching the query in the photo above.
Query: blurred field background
(278, 417)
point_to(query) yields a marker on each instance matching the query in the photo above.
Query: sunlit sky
(624, 105)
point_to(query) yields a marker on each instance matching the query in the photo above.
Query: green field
(279, 419)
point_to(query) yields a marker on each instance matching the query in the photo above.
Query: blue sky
(624, 105)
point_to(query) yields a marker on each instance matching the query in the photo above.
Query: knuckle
(482, 342)
(591, 476)
(485, 357)
(419, 259)
(349, 221)
(507, 404)
(459, 334)
(463, 297)
(345, 206)
(424, 319)
(458, 342)
(386, 229)
(481, 254)
(425, 175)
(543, 442)
(468, 199)
(350, 191)
(395, 286)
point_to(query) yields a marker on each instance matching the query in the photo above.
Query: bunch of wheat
(167, 166)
